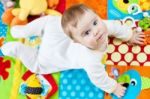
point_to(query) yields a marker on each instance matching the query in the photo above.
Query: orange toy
(11, 15)
(147, 36)
(9, 19)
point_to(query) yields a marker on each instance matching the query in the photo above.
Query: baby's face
(91, 31)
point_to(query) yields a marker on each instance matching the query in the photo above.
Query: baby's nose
(95, 33)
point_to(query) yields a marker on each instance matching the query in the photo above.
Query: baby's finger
(140, 32)
(139, 42)
(140, 39)
(141, 35)
(121, 94)
(124, 88)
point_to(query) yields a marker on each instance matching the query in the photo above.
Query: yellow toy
(34, 89)
(29, 7)
(19, 16)
(33, 7)
(32, 84)
(9, 19)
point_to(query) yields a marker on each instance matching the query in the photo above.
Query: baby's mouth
(100, 37)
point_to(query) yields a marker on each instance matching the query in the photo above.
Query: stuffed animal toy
(19, 16)
(134, 83)
(29, 7)
(33, 7)
(9, 19)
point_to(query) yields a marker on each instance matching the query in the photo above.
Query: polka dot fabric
(3, 27)
(75, 84)
(120, 53)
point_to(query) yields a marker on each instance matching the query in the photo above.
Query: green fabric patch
(124, 79)
(145, 82)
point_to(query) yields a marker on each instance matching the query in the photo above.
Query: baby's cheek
(93, 44)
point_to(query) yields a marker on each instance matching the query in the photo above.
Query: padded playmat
(74, 84)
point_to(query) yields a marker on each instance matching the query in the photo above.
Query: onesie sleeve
(96, 71)
(99, 77)
(35, 27)
(117, 30)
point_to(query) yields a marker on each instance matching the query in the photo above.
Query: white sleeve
(96, 71)
(100, 78)
(117, 30)
(33, 28)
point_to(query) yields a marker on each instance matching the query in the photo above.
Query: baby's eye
(95, 22)
(87, 33)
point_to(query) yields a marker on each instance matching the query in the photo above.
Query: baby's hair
(72, 16)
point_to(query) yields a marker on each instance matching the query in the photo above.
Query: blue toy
(134, 87)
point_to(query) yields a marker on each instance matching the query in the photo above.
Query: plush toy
(38, 86)
(134, 83)
(9, 19)
(29, 7)
(19, 16)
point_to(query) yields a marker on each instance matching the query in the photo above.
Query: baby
(77, 40)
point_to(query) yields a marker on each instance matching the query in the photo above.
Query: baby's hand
(119, 91)
(137, 38)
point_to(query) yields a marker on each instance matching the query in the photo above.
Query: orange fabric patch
(99, 6)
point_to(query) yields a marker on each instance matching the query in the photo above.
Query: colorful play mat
(132, 62)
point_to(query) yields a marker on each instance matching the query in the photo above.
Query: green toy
(144, 23)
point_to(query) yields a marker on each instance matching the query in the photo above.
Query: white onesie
(58, 52)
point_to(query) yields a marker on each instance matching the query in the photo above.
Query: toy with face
(123, 5)
(134, 83)
(133, 78)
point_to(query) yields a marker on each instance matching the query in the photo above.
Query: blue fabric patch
(115, 13)
(1, 54)
(3, 27)
(75, 84)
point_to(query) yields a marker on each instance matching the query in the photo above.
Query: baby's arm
(124, 32)
(33, 28)
(100, 78)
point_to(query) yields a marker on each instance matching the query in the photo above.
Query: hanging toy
(38, 86)
(33, 88)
